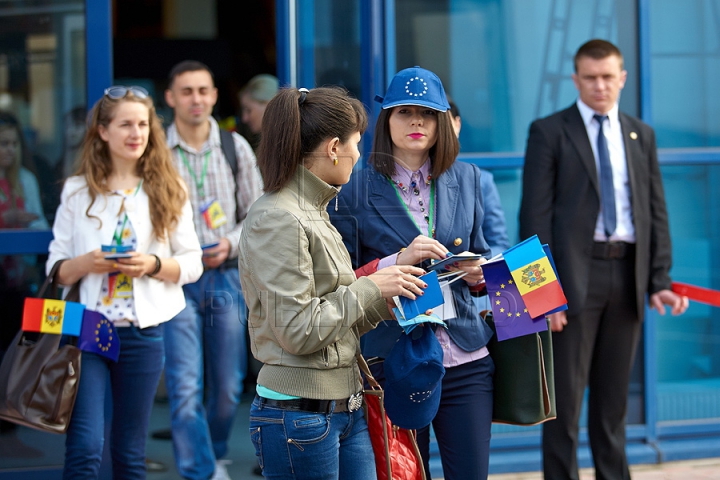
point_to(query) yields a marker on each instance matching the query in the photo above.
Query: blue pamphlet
(432, 298)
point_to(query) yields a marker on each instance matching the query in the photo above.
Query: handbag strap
(51, 283)
(365, 369)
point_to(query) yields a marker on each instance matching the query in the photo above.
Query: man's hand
(677, 303)
(558, 320)
(216, 256)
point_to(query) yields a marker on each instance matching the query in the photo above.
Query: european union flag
(98, 336)
(510, 313)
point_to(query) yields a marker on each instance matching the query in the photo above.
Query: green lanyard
(117, 235)
(431, 209)
(198, 183)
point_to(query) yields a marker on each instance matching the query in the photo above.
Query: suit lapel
(577, 133)
(447, 193)
(633, 150)
(384, 199)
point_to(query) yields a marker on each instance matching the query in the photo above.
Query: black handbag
(39, 378)
(524, 380)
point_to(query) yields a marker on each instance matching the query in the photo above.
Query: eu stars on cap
(415, 86)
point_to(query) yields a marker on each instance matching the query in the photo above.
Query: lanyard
(431, 209)
(117, 235)
(198, 183)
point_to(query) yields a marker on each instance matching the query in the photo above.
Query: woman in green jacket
(307, 308)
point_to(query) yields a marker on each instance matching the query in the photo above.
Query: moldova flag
(534, 276)
(99, 336)
(510, 314)
(52, 316)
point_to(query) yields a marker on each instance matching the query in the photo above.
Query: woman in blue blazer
(412, 204)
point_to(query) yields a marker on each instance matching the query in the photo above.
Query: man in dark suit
(592, 190)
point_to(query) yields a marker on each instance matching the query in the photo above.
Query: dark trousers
(596, 349)
(462, 424)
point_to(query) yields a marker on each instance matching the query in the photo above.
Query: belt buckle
(355, 401)
(615, 250)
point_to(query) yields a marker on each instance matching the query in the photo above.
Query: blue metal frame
(644, 56)
(283, 45)
(305, 43)
(98, 45)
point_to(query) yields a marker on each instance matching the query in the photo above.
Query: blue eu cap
(415, 86)
(413, 379)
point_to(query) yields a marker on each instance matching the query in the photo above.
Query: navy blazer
(374, 223)
(561, 202)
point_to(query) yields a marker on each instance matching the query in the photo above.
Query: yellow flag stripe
(534, 275)
(53, 314)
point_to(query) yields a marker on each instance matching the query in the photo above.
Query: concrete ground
(687, 470)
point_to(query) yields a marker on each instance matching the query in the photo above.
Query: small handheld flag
(99, 336)
(534, 277)
(52, 316)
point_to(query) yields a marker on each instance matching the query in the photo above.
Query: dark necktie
(607, 190)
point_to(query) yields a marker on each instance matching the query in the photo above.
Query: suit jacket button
(458, 242)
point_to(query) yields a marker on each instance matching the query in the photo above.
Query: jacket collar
(310, 188)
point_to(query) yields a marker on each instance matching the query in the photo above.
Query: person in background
(592, 190)
(127, 194)
(205, 343)
(493, 226)
(414, 203)
(307, 309)
(20, 207)
(254, 97)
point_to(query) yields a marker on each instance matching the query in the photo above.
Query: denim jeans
(133, 382)
(294, 445)
(205, 353)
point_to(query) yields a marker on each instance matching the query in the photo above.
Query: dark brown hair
(295, 123)
(161, 182)
(442, 154)
(188, 66)
(597, 49)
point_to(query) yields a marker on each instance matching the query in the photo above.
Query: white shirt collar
(587, 113)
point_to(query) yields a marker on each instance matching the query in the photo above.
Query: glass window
(688, 359)
(507, 62)
(329, 49)
(684, 69)
(42, 120)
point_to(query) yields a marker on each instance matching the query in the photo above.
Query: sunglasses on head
(119, 91)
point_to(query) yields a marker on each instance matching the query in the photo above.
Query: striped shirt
(218, 183)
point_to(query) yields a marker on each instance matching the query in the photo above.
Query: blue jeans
(133, 382)
(205, 353)
(296, 445)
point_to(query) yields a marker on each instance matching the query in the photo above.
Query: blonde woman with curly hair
(126, 195)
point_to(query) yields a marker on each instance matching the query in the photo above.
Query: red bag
(397, 456)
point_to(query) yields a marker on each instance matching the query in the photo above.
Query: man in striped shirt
(205, 344)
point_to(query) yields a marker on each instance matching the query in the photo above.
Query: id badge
(119, 285)
(213, 214)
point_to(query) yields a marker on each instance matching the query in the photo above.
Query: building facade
(505, 62)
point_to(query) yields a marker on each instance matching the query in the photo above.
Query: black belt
(354, 402)
(612, 250)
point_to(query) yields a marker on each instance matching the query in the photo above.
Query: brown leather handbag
(39, 378)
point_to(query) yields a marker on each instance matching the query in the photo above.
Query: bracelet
(158, 266)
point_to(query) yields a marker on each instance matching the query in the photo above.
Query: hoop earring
(335, 161)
